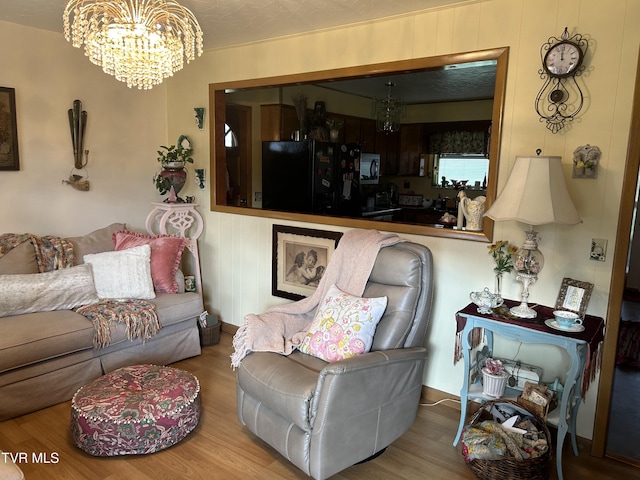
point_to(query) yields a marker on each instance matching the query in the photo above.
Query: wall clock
(560, 99)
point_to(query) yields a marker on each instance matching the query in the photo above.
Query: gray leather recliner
(324, 417)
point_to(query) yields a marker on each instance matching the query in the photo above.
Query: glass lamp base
(523, 311)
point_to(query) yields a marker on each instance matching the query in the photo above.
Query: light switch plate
(598, 249)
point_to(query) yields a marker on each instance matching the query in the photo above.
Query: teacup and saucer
(565, 320)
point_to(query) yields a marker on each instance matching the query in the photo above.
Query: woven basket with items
(497, 447)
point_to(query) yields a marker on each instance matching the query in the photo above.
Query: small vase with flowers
(502, 253)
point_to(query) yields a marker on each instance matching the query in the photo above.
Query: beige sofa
(47, 355)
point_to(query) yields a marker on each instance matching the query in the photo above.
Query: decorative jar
(494, 384)
(494, 378)
(176, 176)
(485, 301)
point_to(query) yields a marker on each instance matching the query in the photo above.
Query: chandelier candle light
(388, 111)
(140, 42)
(535, 194)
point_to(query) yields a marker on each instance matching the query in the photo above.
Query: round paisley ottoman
(135, 410)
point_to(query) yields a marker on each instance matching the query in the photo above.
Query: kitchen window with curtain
(460, 151)
(471, 167)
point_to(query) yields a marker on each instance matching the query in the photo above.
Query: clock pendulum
(561, 98)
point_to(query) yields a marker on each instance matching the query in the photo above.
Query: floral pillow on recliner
(343, 326)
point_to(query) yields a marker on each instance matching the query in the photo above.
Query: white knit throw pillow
(43, 292)
(123, 274)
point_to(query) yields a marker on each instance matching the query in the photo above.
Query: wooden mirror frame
(217, 105)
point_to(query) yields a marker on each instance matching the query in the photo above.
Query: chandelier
(388, 111)
(140, 42)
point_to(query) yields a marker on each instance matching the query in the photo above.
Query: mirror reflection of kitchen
(432, 196)
(339, 179)
(398, 184)
(412, 174)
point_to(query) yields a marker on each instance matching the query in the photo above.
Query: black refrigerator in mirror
(311, 177)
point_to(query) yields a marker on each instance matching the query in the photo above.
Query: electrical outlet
(258, 196)
(598, 249)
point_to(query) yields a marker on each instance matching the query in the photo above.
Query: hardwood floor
(220, 448)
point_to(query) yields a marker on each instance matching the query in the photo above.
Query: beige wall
(126, 126)
(236, 253)
(124, 129)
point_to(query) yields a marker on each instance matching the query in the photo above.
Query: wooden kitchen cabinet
(362, 131)
(368, 135)
(351, 129)
(388, 145)
(277, 122)
(411, 147)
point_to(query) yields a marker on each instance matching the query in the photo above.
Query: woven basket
(209, 335)
(509, 468)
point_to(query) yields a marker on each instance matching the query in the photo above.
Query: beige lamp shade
(535, 194)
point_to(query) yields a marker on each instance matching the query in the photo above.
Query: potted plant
(585, 161)
(173, 160)
(334, 128)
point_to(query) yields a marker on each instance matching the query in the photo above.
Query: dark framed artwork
(574, 296)
(300, 258)
(9, 159)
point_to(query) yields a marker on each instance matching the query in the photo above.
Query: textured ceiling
(230, 22)
(471, 81)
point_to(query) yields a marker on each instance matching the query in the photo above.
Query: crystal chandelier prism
(140, 42)
(388, 111)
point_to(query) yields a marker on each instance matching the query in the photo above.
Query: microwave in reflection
(369, 168)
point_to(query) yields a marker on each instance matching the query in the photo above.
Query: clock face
(563, 59)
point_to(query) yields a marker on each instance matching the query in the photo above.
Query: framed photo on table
(9, 159)
(300, 258)
(574, 296)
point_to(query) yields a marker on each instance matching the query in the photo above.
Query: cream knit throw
(283, 327)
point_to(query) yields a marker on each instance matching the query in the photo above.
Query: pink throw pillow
(166, 252)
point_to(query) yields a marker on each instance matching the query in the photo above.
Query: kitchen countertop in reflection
(381, 211)
(390, 214)
(433, 210)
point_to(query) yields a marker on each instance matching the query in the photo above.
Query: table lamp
(535, 194)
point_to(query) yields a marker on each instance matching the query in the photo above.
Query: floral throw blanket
(139, 316)
(54, 253)
(489, 441)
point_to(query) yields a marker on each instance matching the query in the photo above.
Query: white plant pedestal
(182, 219)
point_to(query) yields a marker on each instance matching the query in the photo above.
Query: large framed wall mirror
(273, 153)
